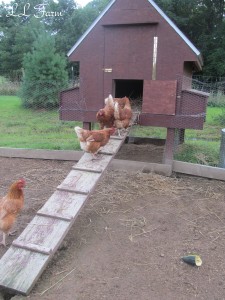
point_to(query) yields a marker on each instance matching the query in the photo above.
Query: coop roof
(159, 10)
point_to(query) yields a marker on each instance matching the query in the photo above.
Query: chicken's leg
(12, 233)
(95, 156)
(3, 242)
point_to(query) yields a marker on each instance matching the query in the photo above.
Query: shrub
(44, 75)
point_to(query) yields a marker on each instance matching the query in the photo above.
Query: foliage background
(201, 20)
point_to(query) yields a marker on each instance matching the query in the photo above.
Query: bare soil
(128, 241)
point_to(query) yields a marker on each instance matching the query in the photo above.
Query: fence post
(222, 149)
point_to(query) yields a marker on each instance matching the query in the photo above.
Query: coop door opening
(133, 89)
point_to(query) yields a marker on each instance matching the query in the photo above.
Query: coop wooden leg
(169, 146)
(87, 125)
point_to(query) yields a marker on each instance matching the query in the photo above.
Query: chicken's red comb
(22, 180)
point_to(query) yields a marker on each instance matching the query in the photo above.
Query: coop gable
(135, 13)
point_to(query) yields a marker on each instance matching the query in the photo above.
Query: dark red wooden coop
(133, 49)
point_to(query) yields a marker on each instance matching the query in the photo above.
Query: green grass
(211, 131)
(199, 152)
(217, 99)
(26, 128)
(41, 129)
(201, 146)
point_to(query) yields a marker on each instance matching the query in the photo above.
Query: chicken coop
(133, 49)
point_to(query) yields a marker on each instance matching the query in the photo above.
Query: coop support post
(222, 149)
(87, 125)
(169, 146)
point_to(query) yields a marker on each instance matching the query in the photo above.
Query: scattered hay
(210, 193)
(135, 222)
(136, 227)
(114, 192)
(202, 159)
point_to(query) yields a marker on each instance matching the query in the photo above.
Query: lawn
(201, 146)
(211, 131)
(35, 129)
(41, 129)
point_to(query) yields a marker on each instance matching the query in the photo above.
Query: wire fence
(206, 146)
(30, 118)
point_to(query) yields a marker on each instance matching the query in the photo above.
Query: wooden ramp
(29, 254)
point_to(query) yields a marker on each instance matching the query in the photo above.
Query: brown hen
(10, 206)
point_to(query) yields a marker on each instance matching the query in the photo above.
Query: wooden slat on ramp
(29, 254)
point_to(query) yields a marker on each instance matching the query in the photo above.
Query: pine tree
(44, 74)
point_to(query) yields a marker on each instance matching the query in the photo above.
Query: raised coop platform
(172, 104)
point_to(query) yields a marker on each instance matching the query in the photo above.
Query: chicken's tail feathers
(116, 111)
(78, 131)
(109, 100)
(110, 97)
(77, 128)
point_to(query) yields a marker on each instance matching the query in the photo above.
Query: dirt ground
(128, 241)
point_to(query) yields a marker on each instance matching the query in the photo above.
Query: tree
(44, 74)
(17, 33)
(74, 22)
(204, 24)
(19, 26)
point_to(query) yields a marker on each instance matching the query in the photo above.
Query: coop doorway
(133, 89)
(130, 88)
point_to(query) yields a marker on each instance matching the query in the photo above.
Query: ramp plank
(32, 247)
(64, 205)
(112, 147)
(20, 269)
(43, 232)
(87, 163)
(79, 182)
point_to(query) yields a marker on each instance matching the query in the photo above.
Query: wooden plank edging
(177, 166)
(198, 170)
(41, 153)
